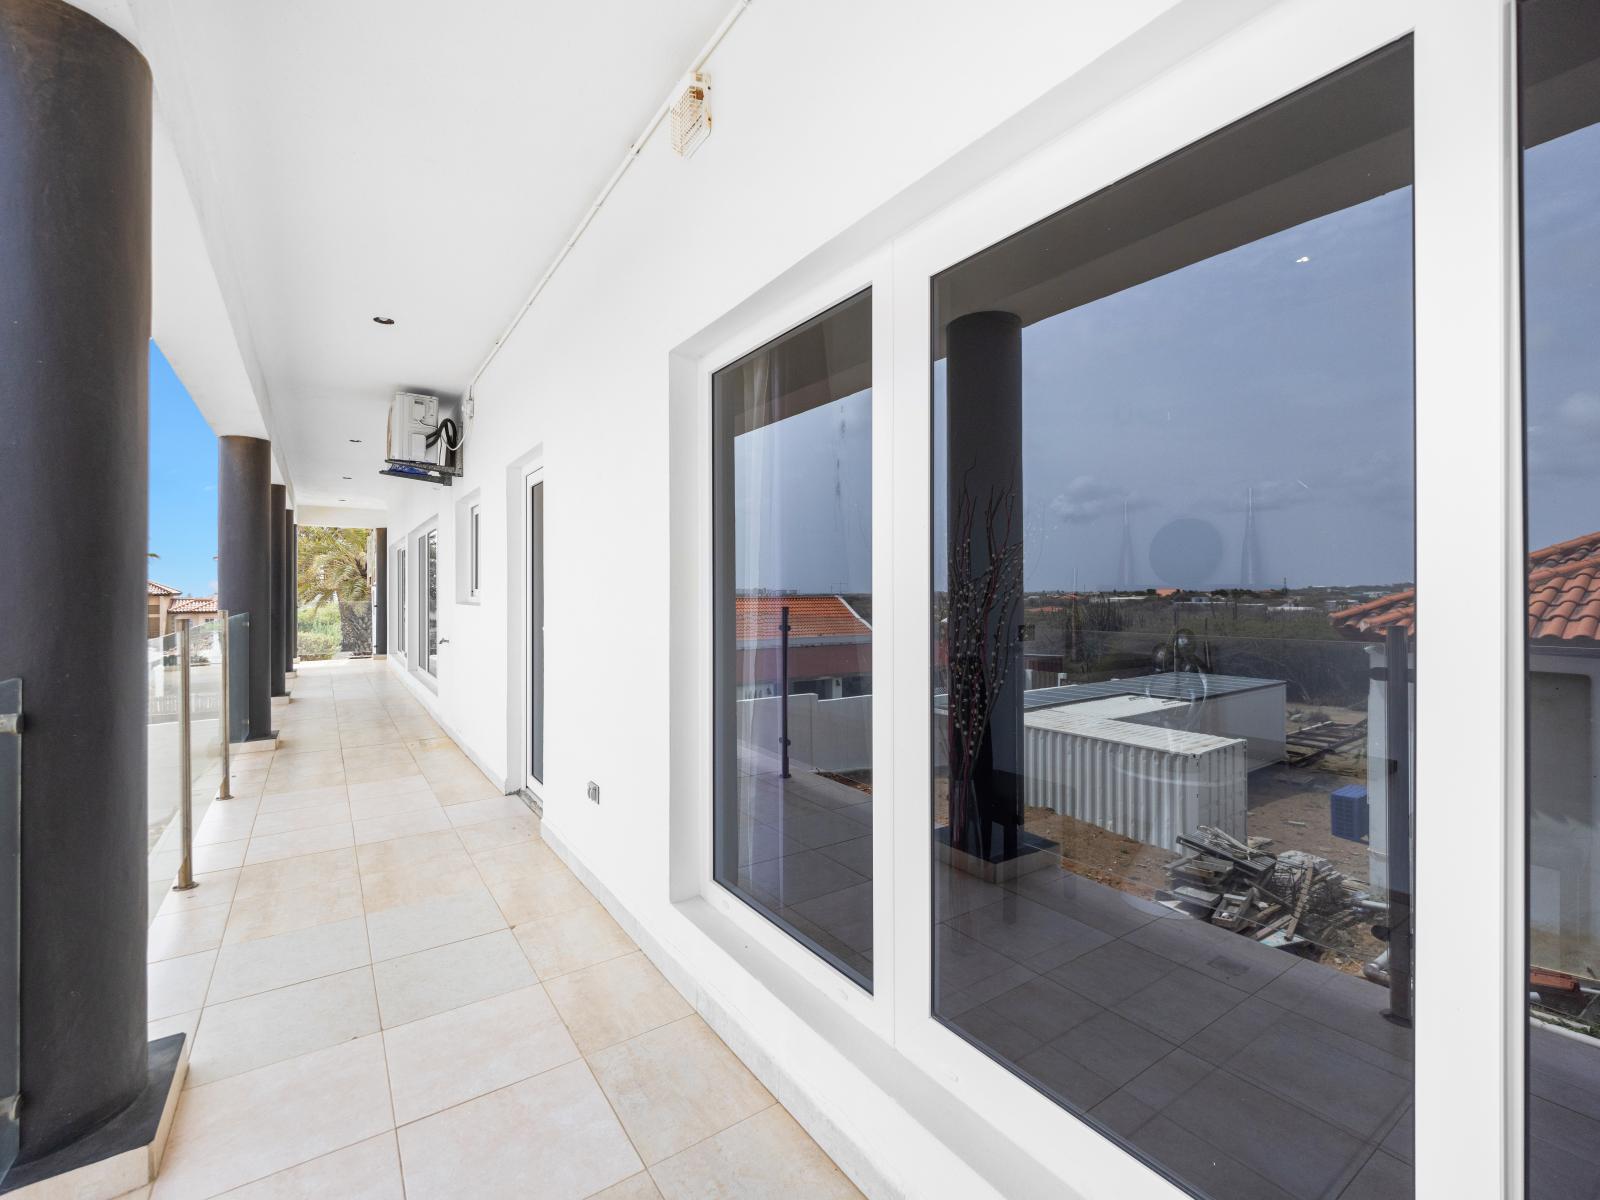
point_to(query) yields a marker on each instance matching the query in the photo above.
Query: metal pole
(185, 787)
(783, 688)
(1397, 697)
(225, 788)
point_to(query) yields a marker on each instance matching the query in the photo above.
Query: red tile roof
(161, 589)
(757, 618)
(1372, 619)
(193, 604)
(1563, 597)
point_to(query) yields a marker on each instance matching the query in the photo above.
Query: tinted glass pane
(793, 596)
(1173, 609)
(1560, 77)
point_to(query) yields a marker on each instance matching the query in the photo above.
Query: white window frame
(1470, 1015)
(418, 617)
(474, 547)
(531, 476)
(399, 586)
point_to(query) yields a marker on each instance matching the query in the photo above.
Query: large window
(793, 613)
(1173, 612)
(1560, 111)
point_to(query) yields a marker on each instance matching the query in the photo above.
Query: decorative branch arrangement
(985, 592)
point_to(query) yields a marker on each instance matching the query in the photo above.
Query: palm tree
(333, 566)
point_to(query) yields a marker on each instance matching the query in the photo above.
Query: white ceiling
(414, 159)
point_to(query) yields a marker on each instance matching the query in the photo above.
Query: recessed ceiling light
(344, 477)
(1304, 258)
(383, 320)
(355, 441)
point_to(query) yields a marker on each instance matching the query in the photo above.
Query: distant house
(158, 601)
(1563, 740)
(192, 610)
(166, 608)
(830, 646)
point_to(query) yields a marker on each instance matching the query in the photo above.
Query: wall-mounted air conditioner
(424, 439)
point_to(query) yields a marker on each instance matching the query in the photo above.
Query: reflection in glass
(430, 599)
(1173, 613)
(793, 615)
(1560, 109)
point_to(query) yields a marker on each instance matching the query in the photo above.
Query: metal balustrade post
(225, 788)
(185, 784)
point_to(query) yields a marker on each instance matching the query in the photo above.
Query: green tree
(334, 568)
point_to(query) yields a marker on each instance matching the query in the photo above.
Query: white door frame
(531, 477)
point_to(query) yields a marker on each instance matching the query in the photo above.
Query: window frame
(398, 584)
(474, 544)
(417, 575)
(1468, 1075)
(871, 1008)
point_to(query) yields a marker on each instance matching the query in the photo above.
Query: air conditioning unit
(413, 424)
(424, 440)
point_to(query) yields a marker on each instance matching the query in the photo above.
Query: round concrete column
(244, 558)
(280, 620)
(291, 575)
(380, 592)
(74, 345)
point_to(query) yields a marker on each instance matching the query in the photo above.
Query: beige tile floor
(396, 989)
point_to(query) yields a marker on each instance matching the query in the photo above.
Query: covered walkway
(396, 989)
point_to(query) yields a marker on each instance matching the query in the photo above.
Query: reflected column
(984, 400)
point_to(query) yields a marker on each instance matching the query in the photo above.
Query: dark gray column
(380, 592)
(984, 397)
(291, 609)
(244, 558)
(74, 440)
(279, 623)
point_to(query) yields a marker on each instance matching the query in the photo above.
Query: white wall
(804, 172)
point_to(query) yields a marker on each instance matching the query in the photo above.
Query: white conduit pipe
(616, 177)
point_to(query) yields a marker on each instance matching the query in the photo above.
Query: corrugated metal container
(1149, 784)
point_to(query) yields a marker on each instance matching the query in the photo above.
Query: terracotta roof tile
(161, 589)
(1563, 598)
(193, 604)
(757, 618)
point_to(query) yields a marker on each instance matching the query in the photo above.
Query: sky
(1263, 395)
(1561, 270)
(183, 485)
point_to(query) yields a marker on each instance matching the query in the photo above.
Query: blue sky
(183, 485)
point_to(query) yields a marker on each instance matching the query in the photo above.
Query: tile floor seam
(616, 1116)
(650, 1167)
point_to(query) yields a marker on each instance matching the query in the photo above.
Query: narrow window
(430, 602)
(1173, 606)
(401, 587)
(472, 527)
(1560, 115)
(793, 617)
